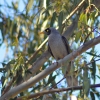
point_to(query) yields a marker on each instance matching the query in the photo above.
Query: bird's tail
(71, 80)
(69, 74)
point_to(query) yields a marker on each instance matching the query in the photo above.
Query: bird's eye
(48, 31)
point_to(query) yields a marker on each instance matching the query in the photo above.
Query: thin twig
(57, 83)
(74, 11)
(8, 86)
(92, 61)
(55, 90)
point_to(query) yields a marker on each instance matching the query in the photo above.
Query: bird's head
(49, 31)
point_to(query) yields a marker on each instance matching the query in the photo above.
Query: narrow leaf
(92, 54)
(93, 70)
(60, 19)
(53, 19)
(92, 95)
(29, 5)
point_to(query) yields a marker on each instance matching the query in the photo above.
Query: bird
(58, 47)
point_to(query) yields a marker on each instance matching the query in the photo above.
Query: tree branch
(27, 84)
(55, 90)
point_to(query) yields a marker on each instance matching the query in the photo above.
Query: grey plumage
(58, 47)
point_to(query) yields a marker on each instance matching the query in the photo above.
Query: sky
(3, 47)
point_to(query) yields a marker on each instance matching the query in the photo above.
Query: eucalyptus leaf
(29, 5)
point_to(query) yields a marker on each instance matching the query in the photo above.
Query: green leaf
(1, 28)
(28, 72)
(53, 19)
(36, 88)
(82, 19)
(2, 69)
(93, 15)
(64, 97)
(3, 64)
(60, 19)
(78, 35)
(92, 95)
(5, 82)
(98, 65)
(46, 10)
(29, 5)
(19, 77)
(93, 70)
(92, 54)
(86, 81)
(86, 85)
(2, 80)
(15, 5)
(80, 98)
(97, 94)
(98, 76)
(12, 61)
(15, 41)
(51, 78)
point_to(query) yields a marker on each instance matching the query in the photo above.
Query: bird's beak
(41, 32)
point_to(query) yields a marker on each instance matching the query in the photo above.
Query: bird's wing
(49, 49)
(71, 80)
(66, 44)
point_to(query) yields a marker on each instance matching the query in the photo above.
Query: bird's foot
(55, 62)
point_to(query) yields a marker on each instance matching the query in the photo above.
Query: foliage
(20, 27)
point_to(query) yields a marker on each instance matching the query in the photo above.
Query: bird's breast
(57, 47)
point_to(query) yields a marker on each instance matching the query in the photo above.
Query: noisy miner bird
(58, 47)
